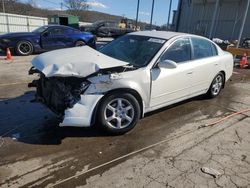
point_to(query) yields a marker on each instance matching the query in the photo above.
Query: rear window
(71, 30)
(58, 31)
(203, 48)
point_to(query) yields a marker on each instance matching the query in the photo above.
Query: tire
(80, 43)
(216, 86)
(24, 48)
(118, 113)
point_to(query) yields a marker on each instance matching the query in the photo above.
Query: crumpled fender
(81, 114)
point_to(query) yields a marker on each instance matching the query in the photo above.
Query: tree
(76, 5)
(32, 3)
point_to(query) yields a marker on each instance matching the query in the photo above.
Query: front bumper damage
(81, 113)
(66, 98)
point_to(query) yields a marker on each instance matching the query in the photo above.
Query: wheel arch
(24, 39)
(224, 75)
(80, 39)
(127, 90)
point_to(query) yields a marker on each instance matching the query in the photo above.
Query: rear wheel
(80, 43)
(216, 86)
(119, 113)
(24, 48)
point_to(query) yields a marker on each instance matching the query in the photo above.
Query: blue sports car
(46, 38)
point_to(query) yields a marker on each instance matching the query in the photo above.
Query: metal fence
(224, 19)
(20, 23)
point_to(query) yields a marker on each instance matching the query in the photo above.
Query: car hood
(77, 61)
(18, 34)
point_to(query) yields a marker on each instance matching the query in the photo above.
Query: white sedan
(134, 74)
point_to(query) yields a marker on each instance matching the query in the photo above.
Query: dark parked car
(46, 38)
(246, 43)
(106, 29)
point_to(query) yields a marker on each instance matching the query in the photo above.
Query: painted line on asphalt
(15, 83)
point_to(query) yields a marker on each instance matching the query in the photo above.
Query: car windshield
(40, 29)
(134, 49)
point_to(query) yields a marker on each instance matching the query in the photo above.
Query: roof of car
(158, 34)
(56, 25)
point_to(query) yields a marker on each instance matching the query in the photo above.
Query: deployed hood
(78, 61)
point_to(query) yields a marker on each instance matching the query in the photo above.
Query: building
(224, 19)
(68, 20)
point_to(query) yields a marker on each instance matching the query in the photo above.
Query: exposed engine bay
(60, 93)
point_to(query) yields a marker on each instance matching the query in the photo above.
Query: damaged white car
(134, 74)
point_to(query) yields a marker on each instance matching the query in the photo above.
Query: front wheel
(216, 86)
(119, 113)
(80, 43)
(24, 48)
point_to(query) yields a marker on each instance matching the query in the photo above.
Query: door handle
(216, 64)
(190, 73)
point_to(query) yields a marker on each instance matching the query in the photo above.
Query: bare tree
(32, 3)
(76, 5)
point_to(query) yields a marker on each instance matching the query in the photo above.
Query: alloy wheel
(25, 48)
(119, 113)
(217, 85)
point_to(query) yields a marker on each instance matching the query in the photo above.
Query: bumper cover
(81, 113)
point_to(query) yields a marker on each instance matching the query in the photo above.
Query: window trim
(192, 48)
(179, 38)
(65, 31)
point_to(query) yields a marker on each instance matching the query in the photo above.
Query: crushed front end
(58, 93)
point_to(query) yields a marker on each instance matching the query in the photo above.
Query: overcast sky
(122, 8)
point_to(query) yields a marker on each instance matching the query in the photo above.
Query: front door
(54, 38)
(170, 85)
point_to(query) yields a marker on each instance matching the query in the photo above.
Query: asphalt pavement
(166, 149)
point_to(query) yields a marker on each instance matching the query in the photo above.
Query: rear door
(205, 64)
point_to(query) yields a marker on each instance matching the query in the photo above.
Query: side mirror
(168, 64)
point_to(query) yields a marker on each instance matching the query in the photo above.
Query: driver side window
(179, 51)
(57, 31)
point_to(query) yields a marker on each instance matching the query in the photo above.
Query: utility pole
(3, 6)
(169, 12)
(137, 13)
(152, 12)
(61, 5)
(243, 24)
(213, 19)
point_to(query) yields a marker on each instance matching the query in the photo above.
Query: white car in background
(134, 74)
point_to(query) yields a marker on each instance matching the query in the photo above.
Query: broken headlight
(71, 98)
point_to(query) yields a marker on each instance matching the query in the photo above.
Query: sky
(125, 8)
